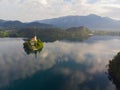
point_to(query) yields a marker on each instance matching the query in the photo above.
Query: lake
(60, 65)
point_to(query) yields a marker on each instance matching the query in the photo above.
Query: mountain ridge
(91, 21)
(8, 25)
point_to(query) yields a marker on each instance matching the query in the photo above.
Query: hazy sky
(28, 10)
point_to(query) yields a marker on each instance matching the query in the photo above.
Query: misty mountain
(91, 21)
(18, 25)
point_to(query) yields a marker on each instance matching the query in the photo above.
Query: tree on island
(33, 45)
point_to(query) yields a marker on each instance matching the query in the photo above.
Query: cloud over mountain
(27, 10)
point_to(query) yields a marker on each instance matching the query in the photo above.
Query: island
(33, 45)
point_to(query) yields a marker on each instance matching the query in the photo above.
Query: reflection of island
(33, 45)
(114, 70)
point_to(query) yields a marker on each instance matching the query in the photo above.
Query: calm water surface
(59, 66)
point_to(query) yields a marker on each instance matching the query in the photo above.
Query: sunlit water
(60, 65)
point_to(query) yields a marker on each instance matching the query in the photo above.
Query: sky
(30, 10)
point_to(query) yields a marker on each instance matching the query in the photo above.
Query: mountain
(18, 25)
(91, 21)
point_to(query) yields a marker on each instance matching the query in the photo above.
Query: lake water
(61, 65)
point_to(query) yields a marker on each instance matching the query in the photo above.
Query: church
(33, 40)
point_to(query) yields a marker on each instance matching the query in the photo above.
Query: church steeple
(35, 37)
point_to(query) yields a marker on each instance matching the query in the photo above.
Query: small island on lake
(33, 45)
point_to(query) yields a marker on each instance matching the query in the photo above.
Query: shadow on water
(114, 71)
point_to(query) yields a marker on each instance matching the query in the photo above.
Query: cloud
(27, 10)
(113, 11)
(44, 2)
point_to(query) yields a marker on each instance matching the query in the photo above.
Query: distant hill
(91, 21)
(52, 34)
(18, 25)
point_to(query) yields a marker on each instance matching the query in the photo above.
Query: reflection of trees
(114, 70)
(33, 49)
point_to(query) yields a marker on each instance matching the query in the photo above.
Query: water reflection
(59, 66)
(114, 70)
